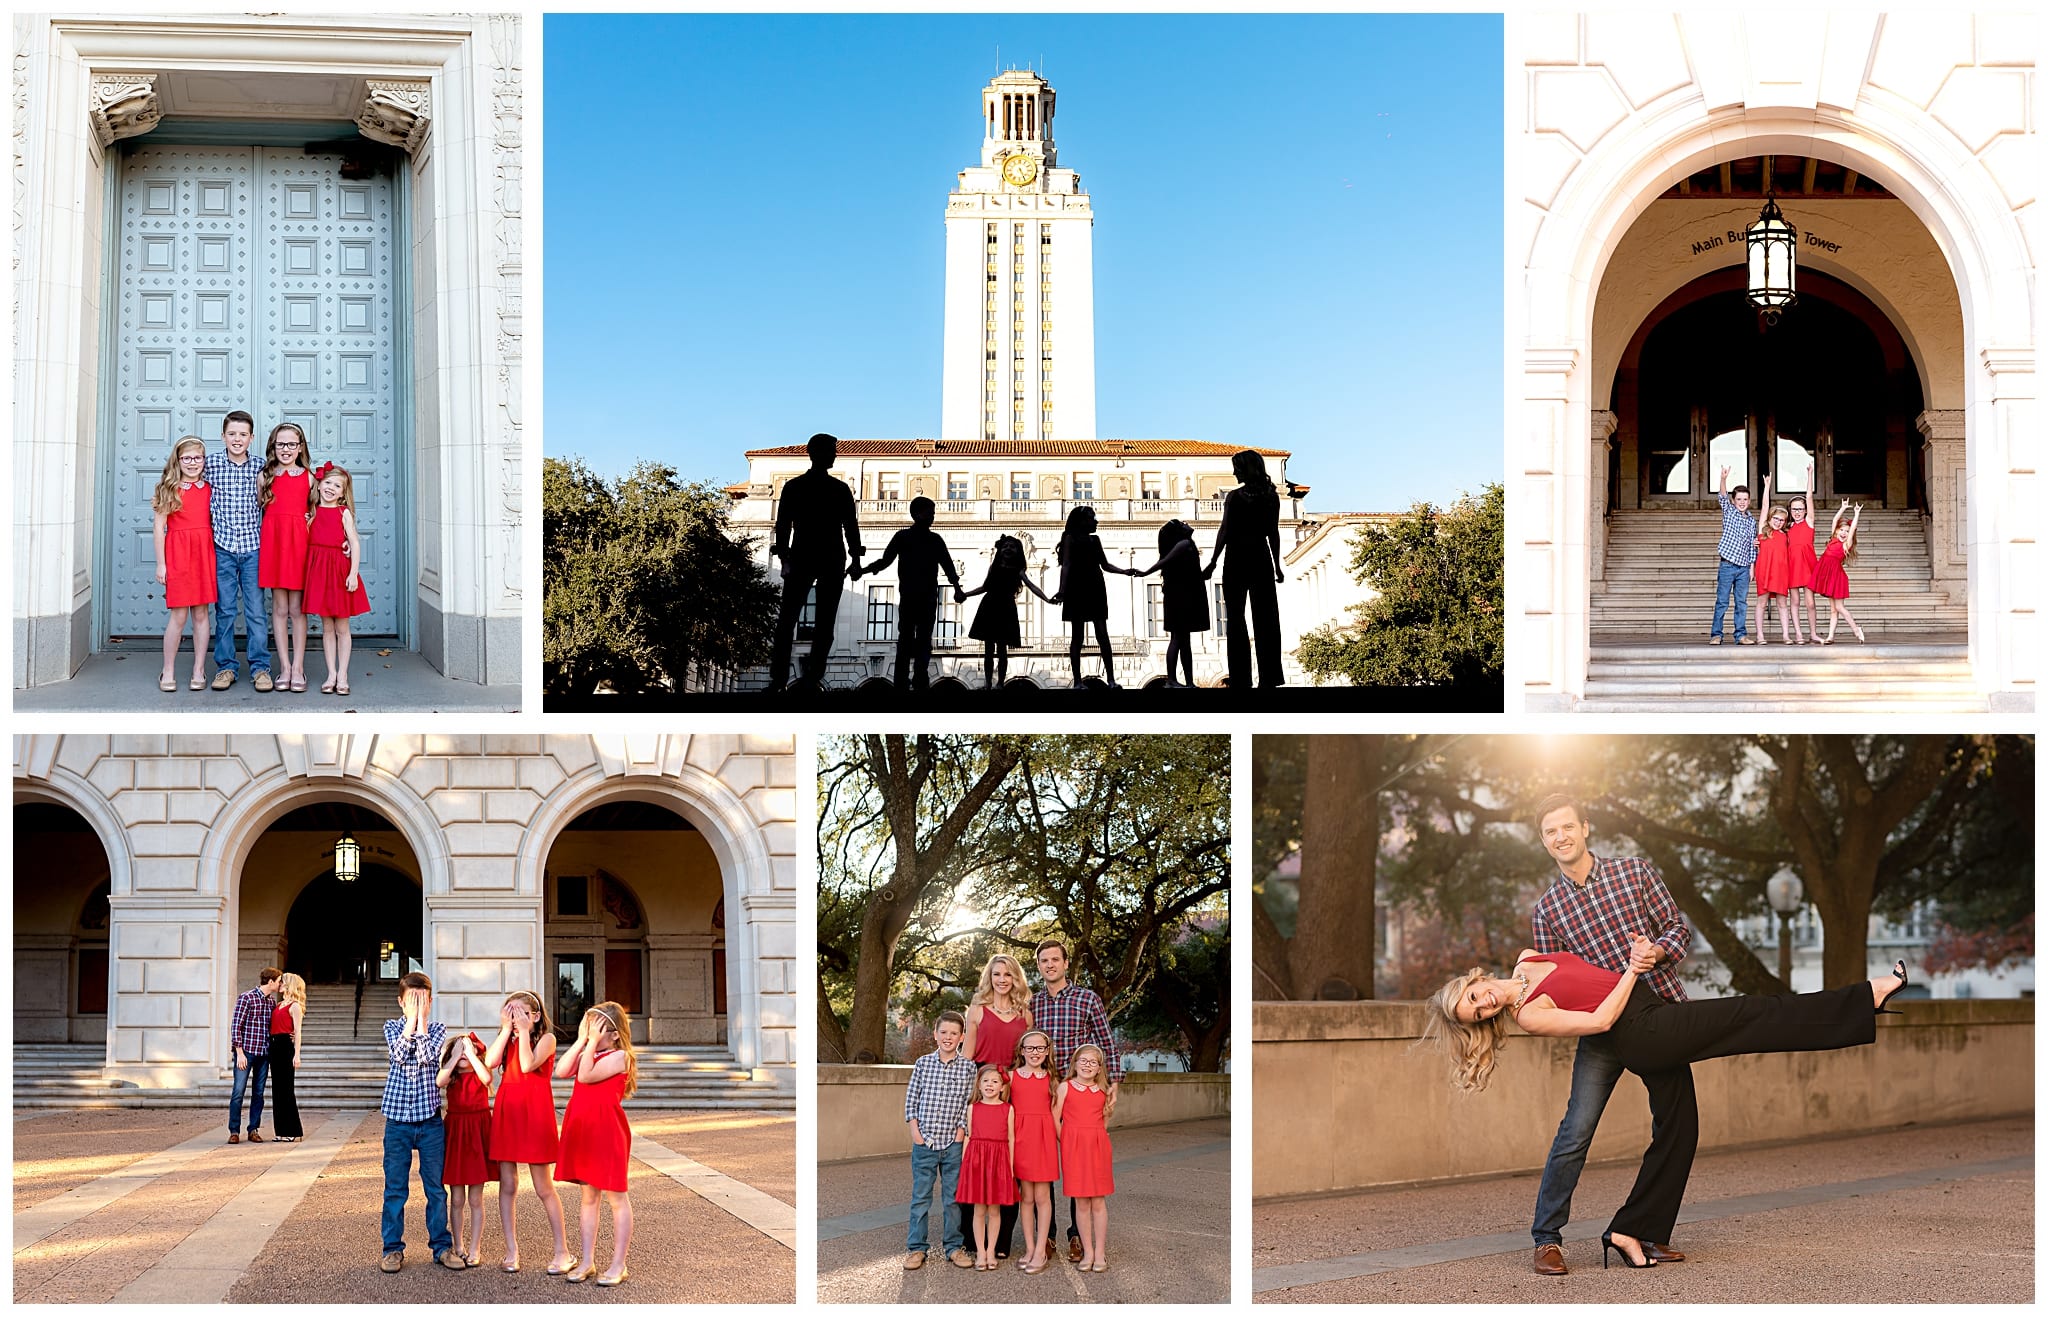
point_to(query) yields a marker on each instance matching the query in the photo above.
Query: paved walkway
(154, 1206)
(1901, 1217)
(1169, 1231)
(382, 679)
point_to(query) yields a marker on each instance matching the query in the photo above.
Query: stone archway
(62, 922)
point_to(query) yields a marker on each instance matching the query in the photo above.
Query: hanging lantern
(1771, 260)
(348, 859)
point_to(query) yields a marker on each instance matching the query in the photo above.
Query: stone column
(169, 1028)
(1596, 545)
(681, 995)
(1945, 462)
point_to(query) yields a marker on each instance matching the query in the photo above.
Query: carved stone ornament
(124, 105)
(395, 113)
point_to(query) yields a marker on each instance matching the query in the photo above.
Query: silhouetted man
(920, 555)
(816, 528)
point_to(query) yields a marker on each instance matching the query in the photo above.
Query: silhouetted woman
(1248, 543)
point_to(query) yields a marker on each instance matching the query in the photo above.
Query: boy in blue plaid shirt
(935, 1108)
(412, 1123)
(1737, 557)
(237, 533)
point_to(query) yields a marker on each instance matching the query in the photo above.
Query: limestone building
(155, 875)
(309, 218)
(1017, 449)
(1900, 148)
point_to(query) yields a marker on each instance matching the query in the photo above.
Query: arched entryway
(635, 914)
(61, 923)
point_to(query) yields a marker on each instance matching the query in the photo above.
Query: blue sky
(744, 236)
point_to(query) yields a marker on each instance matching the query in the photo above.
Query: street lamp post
(1785, 891)
(1773, 245)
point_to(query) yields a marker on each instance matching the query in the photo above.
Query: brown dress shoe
(254, 1137)
(912, 1261)
(1661, 1253)
(234, 1138)
(1074, 1250)
(1550, 1261)
(960, 1257)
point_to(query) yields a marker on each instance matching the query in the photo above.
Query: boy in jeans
(237, 533)
(936, 1108)
(412, 1123)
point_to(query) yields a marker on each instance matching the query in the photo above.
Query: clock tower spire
(1020, 302)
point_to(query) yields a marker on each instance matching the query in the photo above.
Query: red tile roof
(1025, 448)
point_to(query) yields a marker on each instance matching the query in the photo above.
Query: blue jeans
(1595, 1071)
(235, 575)
(926, 1162)
(1732, 580)
(401, 1139)
(251, 1078)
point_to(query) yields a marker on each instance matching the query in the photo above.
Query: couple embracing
(1606, 935)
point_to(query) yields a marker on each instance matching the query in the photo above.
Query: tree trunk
(1330, 956)
(831, 1033)
(1271, 979)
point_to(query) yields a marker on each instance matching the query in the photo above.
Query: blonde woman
(285, 1019)
(998, 1016)
(597, 1139)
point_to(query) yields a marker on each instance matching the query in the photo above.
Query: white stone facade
(1936, 107)
(448, 91)
(477, 818)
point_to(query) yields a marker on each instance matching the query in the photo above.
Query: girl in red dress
(334, 579)
(284, 490)
(466, 1166)
(597, 1140)
(1774, 572)
(523, 1122)
(1829, 578)
(1799, 557)
(183, 504)
(986, 1178)
(997, 1015)
(1080, 1107)
(1036, 1159)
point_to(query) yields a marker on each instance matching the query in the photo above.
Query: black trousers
(1261, 593)
(1006, 1226)
(284, 1097)
(829, 576)
(1656, 1039)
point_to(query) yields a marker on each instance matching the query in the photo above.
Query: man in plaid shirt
(935, 1108)
(1738, 555)
(237, 531)
(1073, 1016)
(251, 1035)
(1615, 913)
(412, 1123)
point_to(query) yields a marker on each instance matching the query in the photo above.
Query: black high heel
(1899, 969)
(1607, 1242)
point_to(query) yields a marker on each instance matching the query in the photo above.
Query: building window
(1151, 486)
(956, 486)
(1155, 611)
(889, 487)
(1084, 485)
(881, 612)
(572, 895)
(807, 617)
(1216, 610)
(946, 626)
(1020, 484)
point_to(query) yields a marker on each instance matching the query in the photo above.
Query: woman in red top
(284, 490)
(997, 1015)
(597, 1140)
(1562, 996)
(523, 1122)
(466, 1165)
(285, 1018)
(183, 504)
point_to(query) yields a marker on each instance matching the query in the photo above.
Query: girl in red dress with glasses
(1037, 1156)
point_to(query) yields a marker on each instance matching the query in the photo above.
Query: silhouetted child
(1183, 596)
(920, 555)
(1084, 596)
(995, 622)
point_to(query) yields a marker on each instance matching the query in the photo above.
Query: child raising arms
(1830, 580)
(596, 1137)
(465, 1164)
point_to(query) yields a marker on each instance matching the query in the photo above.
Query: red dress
(523, 1120)
(995, 1039)
(327, 566)
(1774, 564)
(1038, 1143)
(1828, 577)
(596, 1137)
(1799, 554)
(985, 1175)
(281, 555)
(189, 578)
(467, 1125)
(1084, 1145)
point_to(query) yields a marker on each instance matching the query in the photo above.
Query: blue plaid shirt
(1738, 533)
(937, 1096)
(252, 1022)
(1073, 1019)
(409, 1091)
(237, 521)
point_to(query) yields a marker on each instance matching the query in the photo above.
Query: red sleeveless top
(1574, 985)
(995, 1039)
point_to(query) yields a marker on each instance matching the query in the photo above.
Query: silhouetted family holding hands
(818, 547)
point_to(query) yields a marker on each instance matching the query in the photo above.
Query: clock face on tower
(1019, 170)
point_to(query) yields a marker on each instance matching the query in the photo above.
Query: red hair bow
(320, 472)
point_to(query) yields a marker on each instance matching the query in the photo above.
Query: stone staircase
(1651, 615)
(345, 1072)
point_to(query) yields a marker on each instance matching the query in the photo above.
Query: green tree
(645, 583)
(1435, 615)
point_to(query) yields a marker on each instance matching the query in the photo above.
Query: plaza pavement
(152, 1205)
(1916, 1215)
(1169, 1231)
(382, 679)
